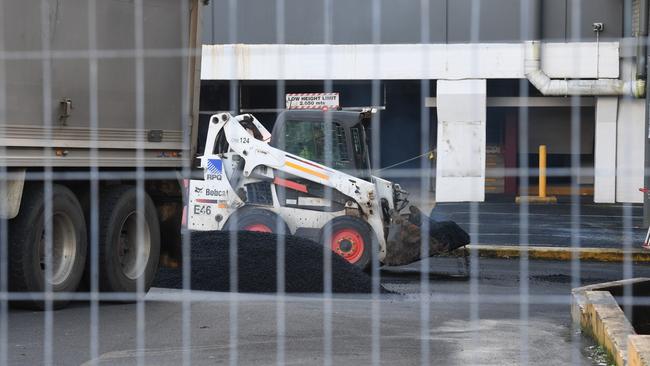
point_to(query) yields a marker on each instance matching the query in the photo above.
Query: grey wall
(573, 19)
(450, 21)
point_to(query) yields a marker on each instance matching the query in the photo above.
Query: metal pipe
(641, 33)
(548, 86)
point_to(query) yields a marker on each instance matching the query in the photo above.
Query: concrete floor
(452, 322)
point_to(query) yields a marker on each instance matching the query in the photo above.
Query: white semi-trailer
(98, 114)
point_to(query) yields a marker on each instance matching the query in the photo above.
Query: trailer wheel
(256, 219)
(129, 240)
(351, 238)
(27, 240)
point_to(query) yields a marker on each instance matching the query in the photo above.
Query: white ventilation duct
(548, 86)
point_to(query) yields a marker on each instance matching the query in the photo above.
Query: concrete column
(605, 150)
(630, 150)
(646, 139)
(460, 169)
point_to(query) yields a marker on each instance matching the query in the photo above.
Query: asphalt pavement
(585, 224)
(496, 317)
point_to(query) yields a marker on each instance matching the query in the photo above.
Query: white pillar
(460, 168)
(605, 150)
(629, 150)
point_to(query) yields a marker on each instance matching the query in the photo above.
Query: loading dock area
(609, 150)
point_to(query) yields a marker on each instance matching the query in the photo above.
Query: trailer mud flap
(405, 233)
(11, 194)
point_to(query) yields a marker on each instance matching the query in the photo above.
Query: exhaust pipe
(641, 33)
(555, 87)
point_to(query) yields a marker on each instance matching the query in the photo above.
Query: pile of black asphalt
(257, 265)
(446, 235)
(404, 243)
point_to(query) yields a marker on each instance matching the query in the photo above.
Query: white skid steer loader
(258, 181)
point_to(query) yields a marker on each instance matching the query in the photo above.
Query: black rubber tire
(116, 205)
(361, 227)
(247, 216)
(25, 234)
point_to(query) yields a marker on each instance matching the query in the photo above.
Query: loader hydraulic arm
(258, 153)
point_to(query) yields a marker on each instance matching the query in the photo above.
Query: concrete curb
(595, 310)
(638, 350)
(562, 253)
(608, 325)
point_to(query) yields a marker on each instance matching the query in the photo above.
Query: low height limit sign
(322, 101)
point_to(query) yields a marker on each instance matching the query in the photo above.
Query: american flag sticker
(215, 166)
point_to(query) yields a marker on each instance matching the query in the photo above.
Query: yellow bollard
(542, 171)
(541, 196)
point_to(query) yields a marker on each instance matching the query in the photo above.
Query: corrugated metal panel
(450, 21)
(163, 73)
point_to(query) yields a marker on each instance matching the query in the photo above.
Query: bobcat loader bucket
(407, 232)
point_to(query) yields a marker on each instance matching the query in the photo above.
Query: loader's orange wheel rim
(261, 228)
(348, 243)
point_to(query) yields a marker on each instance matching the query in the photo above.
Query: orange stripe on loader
(306, 170)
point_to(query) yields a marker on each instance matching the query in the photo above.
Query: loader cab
(303, 133)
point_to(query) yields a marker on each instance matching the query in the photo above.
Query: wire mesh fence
(321, 182)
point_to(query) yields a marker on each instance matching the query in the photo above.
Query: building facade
(479, 83)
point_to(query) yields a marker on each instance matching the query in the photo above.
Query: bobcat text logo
(215, 192)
